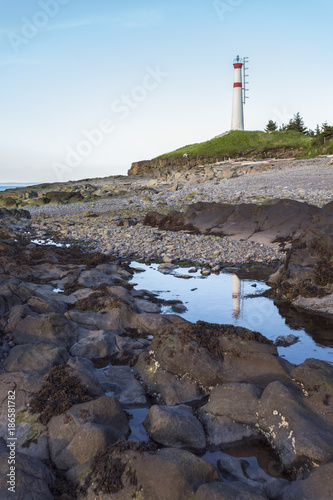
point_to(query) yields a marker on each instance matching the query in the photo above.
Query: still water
(225, 299)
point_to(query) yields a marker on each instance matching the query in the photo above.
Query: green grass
(251, 143)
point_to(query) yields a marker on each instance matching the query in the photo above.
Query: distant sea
(8, 185)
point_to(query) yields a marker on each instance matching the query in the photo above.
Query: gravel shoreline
(302, 180)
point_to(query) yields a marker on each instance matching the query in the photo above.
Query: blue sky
(89, 86)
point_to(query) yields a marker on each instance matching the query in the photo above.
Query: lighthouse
(237, 121)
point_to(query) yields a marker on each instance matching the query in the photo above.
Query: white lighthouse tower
(237, 121)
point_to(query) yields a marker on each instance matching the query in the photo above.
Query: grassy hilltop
(255, 144)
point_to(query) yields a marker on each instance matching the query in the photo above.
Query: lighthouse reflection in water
(236, 296)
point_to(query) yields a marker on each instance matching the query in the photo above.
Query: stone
(121, 381)
(144, 306)
(315, 378)
(84, 370)
(38, 358)
(98, 344)
(213, 354)
(54, 328)
(317, 486)
(172, 473)
(166, 388)
(85, 429)
(32, 478)
(286, 340)
(227, 491)
(175, 426)
(238, 401)
(294, 430)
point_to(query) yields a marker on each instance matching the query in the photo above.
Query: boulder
(317, 486)
(213, 354)
(294, 430)
(167, 388)
(237, 401)
(315, 377)
(121, 381)
(32, 478)
(83, 369)
(86, 429)
(96, 345)
(54, 328)
(175, 426)
(38, 358)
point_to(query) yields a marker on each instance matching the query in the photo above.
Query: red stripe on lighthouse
(238, 65)
(237, 84)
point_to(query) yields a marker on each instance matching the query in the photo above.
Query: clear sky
(89, 86)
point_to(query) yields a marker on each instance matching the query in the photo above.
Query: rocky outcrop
(77, 358)
(170, 165)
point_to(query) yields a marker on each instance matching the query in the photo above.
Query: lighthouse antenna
(245, 83)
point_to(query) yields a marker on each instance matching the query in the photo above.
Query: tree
(297, 123)
(271, 126)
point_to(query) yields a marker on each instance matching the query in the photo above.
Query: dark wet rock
(96, 345)
(173, 473)
(167, 388)
(236, 401)
(83, 369)
(38, 358)
(16, 315)
(41, 306)
(244, 474)
(318, 486)
(53, 327)
(93, 277)
(286, 340)
(224, 432)
(121, 381)
(32, 438)
(179, 308)
(212, 354)
(284, 218)
(130, 470)
(115, 320)
(147, 307)
(9, 299)
(24, 385)
(175, 426)
(86, 429)
(294, 430)
(316, 380)
(227, 491)
(231, 414)
(32, 478)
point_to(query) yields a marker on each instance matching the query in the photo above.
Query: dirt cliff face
(185, 163)
(181, 164)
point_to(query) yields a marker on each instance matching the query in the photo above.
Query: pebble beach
(106, 224)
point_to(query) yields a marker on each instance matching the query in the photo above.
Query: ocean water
(9, 185)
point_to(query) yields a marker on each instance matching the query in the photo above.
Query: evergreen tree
(271, 126)
(297, 123)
